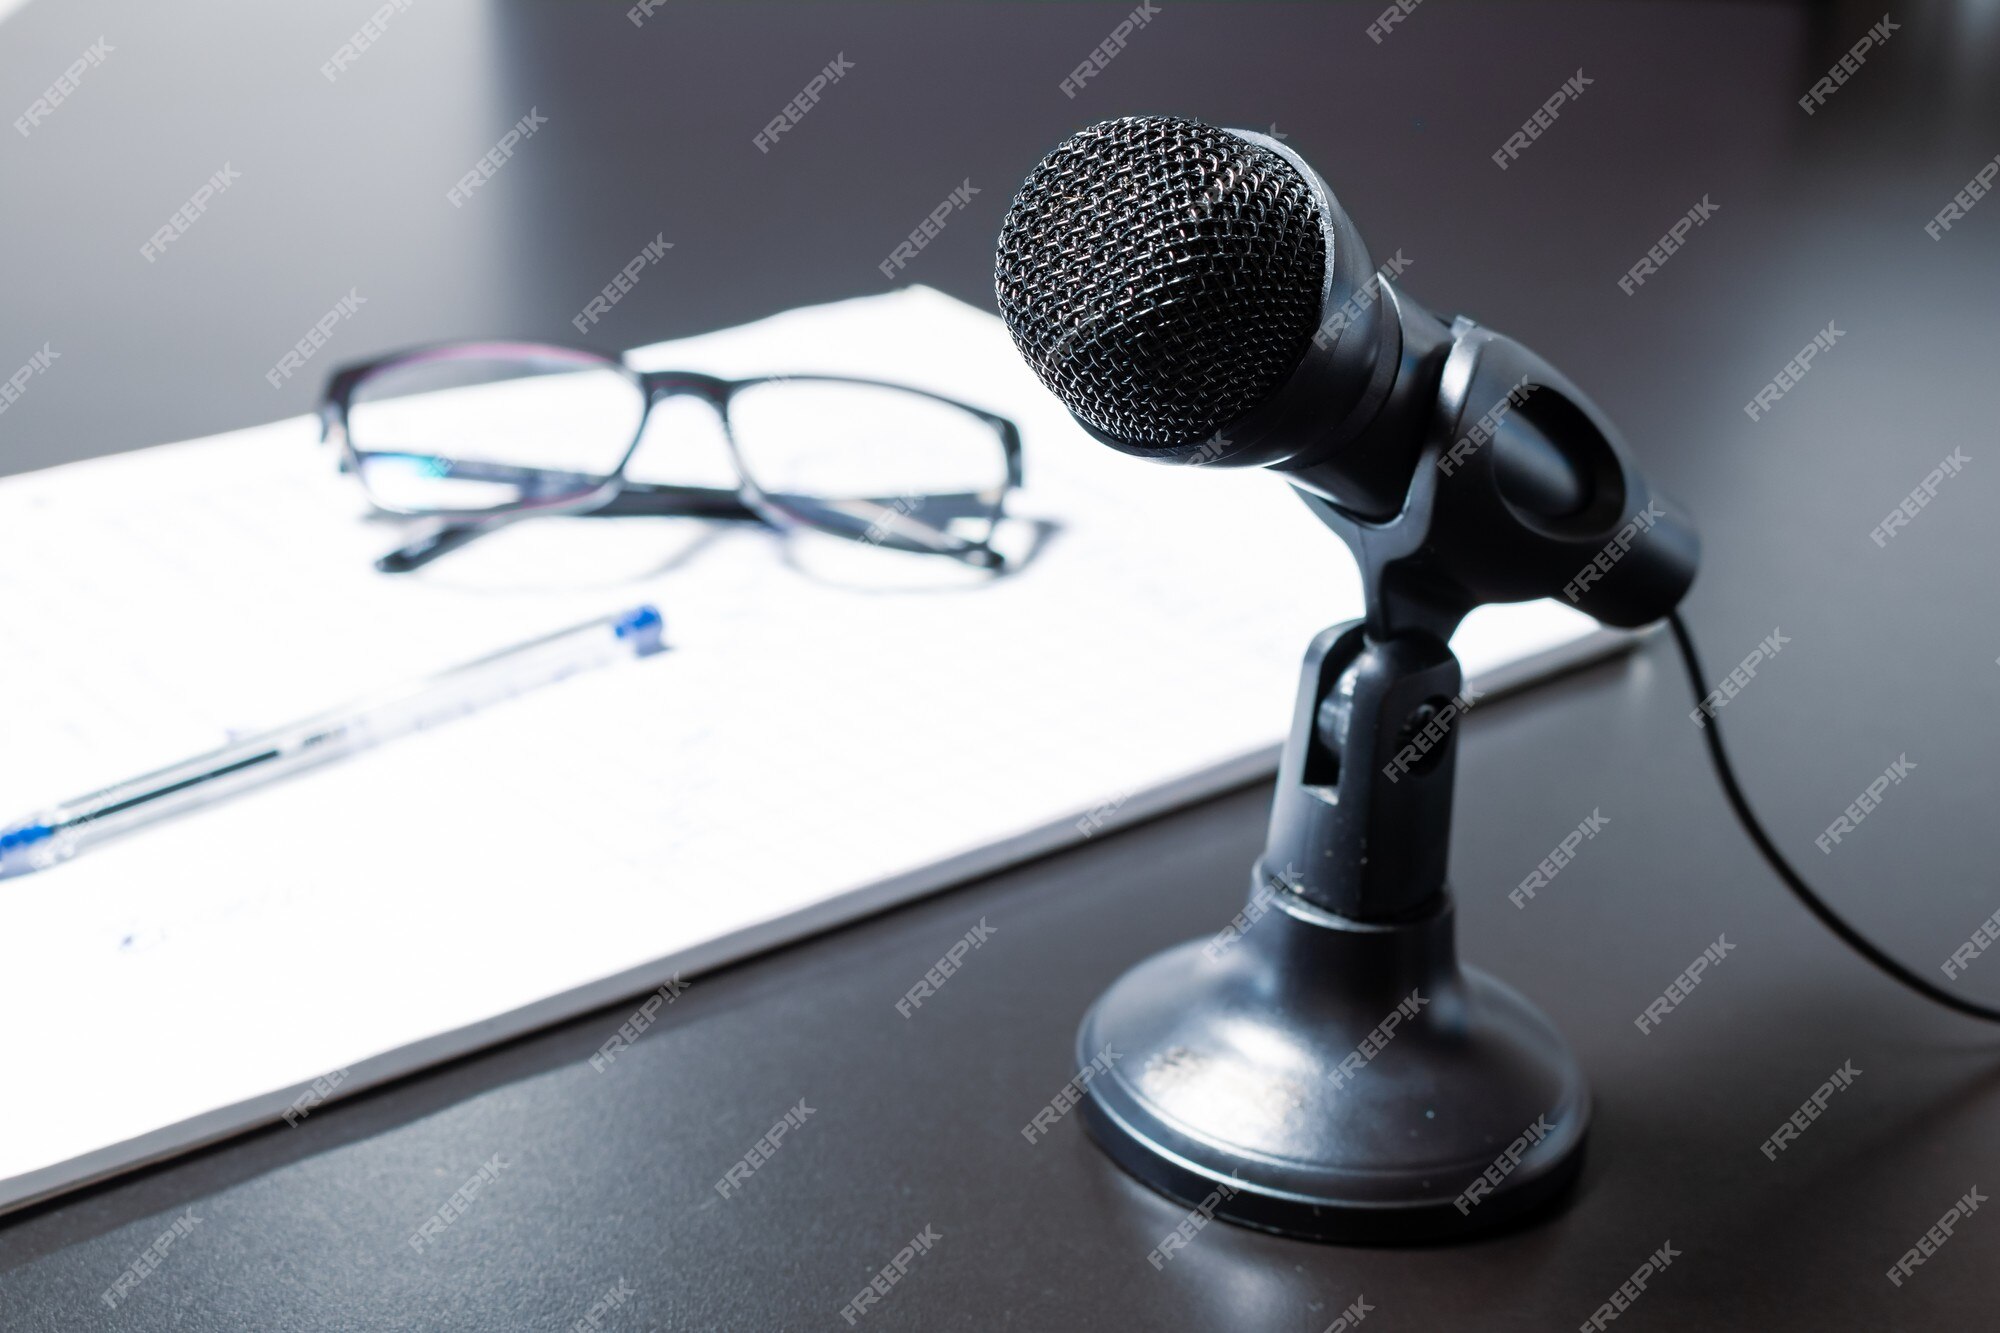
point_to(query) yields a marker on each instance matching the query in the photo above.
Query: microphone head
(1162, 277)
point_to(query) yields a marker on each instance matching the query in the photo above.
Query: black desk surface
(916, 1122)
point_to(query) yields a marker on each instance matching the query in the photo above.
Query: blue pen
(61, 831)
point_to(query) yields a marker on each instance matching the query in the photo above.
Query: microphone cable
(1712, 735)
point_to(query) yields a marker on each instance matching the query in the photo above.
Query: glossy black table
(603, 1196)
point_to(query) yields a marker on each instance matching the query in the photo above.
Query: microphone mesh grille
(1161, 276)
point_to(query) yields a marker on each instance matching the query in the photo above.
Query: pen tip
(644, 626)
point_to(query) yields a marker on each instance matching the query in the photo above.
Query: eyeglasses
(484, 434)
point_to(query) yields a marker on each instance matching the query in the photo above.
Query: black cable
(1712, 733)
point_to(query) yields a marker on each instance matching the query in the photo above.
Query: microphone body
(1455, 462)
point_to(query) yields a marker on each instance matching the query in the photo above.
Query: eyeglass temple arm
(658, 499)
(439, 541)
(637, 499)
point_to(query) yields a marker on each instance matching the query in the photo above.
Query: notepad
(819, 744)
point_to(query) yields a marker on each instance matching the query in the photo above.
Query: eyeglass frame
(616, 494)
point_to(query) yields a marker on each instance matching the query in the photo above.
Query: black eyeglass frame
(615, 494)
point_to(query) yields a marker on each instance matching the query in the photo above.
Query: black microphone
(1197, 295)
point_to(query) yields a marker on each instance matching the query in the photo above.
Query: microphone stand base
(1334, 1079)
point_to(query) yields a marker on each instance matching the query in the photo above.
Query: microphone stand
(1326, 1067)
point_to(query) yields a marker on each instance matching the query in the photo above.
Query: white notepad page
(811, 749)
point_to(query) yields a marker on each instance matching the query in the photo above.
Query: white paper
(807, 752)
